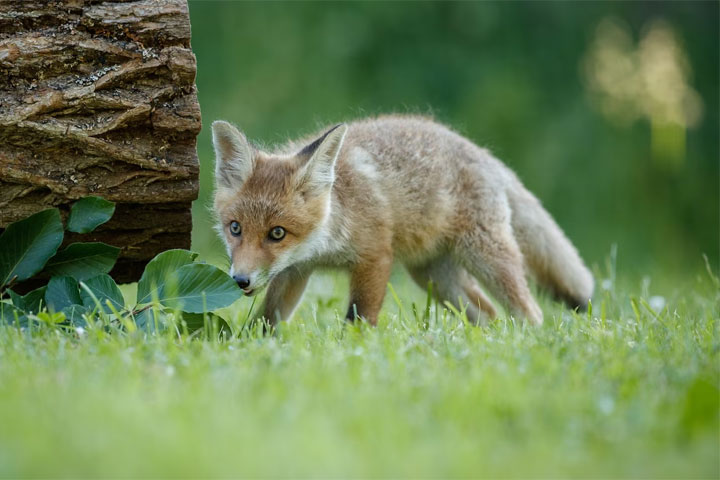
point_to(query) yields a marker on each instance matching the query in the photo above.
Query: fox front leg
(283, 295)
(368, 282)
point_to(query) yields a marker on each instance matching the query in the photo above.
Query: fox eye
(277, 233)
(235, 229)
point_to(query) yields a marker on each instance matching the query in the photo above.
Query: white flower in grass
(657, 302)
(606, 404)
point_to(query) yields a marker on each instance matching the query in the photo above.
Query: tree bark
(99, 98)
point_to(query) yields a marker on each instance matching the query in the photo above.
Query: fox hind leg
(475, 293)
(451, 283)
(492, 255)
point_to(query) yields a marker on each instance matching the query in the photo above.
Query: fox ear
(234, 157)
(318, 172)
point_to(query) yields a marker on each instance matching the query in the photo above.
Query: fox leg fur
(474, 293)
(284, 293)
(368, 282)
(492, 255)
(453, 284)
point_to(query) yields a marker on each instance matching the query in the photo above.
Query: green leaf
(8, 314)
(62, 292)
(74, 314)
(104, 288)
(88, 213)
(29, 302)
(147, 320)
(157, 271)
(197, 321)
(198, 288)
(83, 260)
(52, 318)
(26, 245)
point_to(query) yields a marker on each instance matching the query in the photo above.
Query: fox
(364, 194)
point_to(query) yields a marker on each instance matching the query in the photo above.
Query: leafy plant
(26, 246)
(173, 286)
(30, 246)
(175, 282)
(83, 260)
(89, 213)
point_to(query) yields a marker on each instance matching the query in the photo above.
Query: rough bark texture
(98, 98)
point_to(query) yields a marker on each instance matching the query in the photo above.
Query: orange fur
(390, 188)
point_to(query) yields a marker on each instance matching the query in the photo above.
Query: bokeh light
(650, 79)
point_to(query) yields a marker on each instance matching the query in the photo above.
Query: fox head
(271, 208)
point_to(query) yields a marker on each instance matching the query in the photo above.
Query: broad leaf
(30, 302)
(197, 321)
(26, 245)
(198, 288)
(103, 287)
(83, 260)
(151, 320)
(74, 314)
(88, 213)
(62, 292)
(157, 271)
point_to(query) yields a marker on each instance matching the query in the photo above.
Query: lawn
(629, 389)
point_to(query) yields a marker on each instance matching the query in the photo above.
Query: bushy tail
(548, 253)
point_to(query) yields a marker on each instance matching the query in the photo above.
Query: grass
(627, 390)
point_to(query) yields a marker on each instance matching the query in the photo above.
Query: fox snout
(249, 282)
(243, 281)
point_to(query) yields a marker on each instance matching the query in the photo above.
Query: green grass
(623, 391)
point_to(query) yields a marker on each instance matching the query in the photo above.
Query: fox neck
(329, 238)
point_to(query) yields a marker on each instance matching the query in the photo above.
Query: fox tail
(549, 255)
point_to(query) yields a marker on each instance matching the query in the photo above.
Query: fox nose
(243, 281)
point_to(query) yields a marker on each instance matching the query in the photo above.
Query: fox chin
(362, 195)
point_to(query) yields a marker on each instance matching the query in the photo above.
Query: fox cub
(405, 188)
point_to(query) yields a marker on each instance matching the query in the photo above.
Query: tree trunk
(98, 98)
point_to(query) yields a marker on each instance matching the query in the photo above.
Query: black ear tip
(341, 126)
(309, 149)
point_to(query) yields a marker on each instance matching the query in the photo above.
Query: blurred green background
(607, 111)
